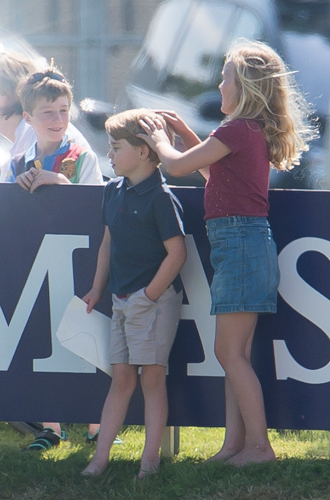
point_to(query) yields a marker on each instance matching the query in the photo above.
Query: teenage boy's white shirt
(25, 137)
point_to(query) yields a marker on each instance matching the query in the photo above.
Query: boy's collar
(32, 151)
(155, 179)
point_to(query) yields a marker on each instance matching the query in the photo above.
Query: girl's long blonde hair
(269, 94)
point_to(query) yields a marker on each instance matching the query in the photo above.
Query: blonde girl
(266, 125)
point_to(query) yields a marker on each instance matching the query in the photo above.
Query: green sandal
(47, 438)
(92, 439)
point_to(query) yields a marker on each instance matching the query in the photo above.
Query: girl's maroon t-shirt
(238, 183)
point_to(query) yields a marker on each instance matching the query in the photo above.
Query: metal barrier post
(171, 441)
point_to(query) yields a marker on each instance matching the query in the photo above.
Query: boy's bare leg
(233, 345)
(153, 382)
(113, 415)
(54, 425)
(93, 428)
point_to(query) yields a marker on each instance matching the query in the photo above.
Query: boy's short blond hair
(50, 84)
(126, 126)
(14, 67)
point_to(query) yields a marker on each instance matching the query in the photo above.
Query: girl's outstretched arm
(187, 135)
(176, 163)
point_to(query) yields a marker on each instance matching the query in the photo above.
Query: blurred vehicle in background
(179, 65)
(179, 68)
(180, 62)
(305, 32)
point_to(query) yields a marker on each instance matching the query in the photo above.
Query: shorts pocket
(141, 315)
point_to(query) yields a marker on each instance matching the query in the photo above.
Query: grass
(302, 470)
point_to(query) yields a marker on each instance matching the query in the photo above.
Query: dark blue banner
(48, 250)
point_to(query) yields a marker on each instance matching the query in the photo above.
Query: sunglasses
(37, 77)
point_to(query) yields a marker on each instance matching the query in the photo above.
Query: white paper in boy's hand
(86, 334)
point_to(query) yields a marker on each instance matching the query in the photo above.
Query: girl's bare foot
(223, 455)
(93, 469)
(143, 473)
(253, 455)
(148, 468)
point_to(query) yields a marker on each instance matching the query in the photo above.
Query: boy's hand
(148, 295)
(43, 177)
(169, 268)
(91, 298)
(26, 179)
(34, 178)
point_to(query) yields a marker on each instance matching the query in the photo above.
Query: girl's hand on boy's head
(154, 132)
(180, 128)
(178, 125)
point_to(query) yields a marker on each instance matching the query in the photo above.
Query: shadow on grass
(38, 476)
(290, 479)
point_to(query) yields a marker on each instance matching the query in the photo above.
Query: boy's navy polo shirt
(140, 218)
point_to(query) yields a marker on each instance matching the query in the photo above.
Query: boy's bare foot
(93, 469)
(253, 455)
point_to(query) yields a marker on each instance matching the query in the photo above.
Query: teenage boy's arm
(102, 272)
(169, 268)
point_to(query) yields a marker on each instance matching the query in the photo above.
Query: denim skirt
(244, 259)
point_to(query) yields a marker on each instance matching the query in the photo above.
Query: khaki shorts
(143, 330)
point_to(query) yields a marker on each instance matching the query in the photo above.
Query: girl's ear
(27, 117)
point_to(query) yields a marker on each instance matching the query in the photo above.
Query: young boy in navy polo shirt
(141, 255)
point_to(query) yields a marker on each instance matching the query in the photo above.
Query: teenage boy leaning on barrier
(53, 158)
(46, 99)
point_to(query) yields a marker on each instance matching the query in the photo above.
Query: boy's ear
(27, 117)
(144, 151)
